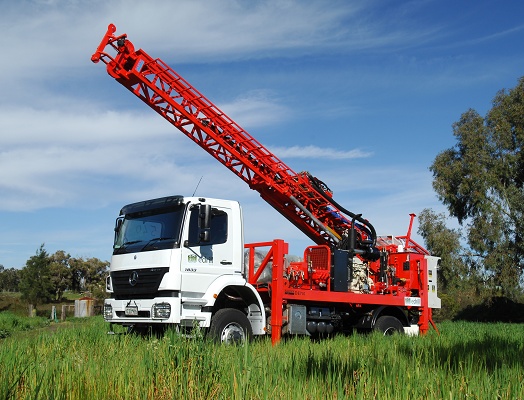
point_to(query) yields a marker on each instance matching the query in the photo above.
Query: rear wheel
(230, 326)
(388, 325)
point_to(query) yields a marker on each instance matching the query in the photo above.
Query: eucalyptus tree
(481, 182)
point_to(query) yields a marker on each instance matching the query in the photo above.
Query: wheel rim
(232, 333)
(390, 331)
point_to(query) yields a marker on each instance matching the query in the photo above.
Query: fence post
(63, 315)
(53, 314)
(30, 310)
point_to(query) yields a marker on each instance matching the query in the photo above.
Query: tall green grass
(467, 360)
(10, 323)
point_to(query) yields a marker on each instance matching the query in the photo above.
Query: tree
(35, 278)
(444, 243)
(481, 182)
(9, 279)
(96, 276)
(89, 275)
(61, 278)
(460, 285)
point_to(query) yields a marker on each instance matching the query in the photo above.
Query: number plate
(131, 311)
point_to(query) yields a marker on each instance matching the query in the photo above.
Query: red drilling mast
(301, 198)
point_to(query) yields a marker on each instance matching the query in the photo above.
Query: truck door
(206, 258)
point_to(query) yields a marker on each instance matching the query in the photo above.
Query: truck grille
(137, 283)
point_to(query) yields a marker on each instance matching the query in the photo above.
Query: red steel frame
(171, 96)
(282, 293)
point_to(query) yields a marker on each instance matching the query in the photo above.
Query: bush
(10, 323)
(493, 309)
(454, 302)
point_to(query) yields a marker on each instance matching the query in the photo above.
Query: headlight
(108, 311)
(161, 310)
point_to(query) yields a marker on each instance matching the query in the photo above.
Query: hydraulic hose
(317, 184)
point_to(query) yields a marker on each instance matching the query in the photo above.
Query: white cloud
(69, 125)
(54, 158)
(51, 38)
(71, 154)
(257, 108)
(315, 152)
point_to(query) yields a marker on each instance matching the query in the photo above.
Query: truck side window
(217, 231)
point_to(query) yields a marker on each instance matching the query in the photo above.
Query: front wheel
(388, 325)
(230, 326)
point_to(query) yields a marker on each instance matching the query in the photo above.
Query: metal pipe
(316, 220)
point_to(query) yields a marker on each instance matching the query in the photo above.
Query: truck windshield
(149, 230)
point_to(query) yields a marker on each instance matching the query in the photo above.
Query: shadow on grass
(494, 309)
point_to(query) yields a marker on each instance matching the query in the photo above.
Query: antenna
(200, 180)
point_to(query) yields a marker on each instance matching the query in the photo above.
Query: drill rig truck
(181, 261)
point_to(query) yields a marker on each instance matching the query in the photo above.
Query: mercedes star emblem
(133, 278)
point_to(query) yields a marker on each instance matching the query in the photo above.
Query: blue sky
(362, 94)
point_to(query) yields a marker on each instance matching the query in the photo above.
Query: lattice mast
(302, 199)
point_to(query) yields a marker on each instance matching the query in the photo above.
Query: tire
(230, 326)
(388, 325)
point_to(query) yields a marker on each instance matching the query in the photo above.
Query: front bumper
(160, 310)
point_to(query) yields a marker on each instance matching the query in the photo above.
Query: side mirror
(204, 218)
(118, 225)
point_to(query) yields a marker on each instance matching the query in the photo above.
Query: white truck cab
(179, 261)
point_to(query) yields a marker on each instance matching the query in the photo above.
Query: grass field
(79, 360)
